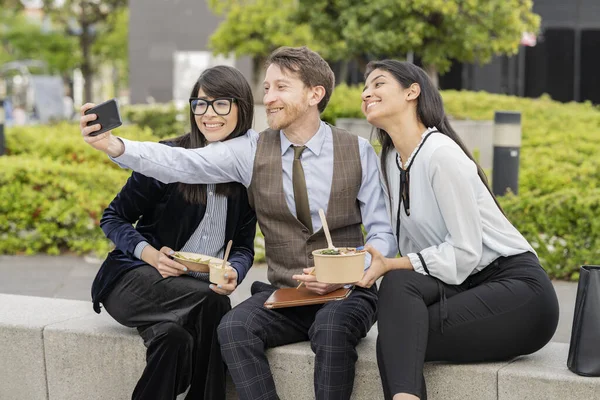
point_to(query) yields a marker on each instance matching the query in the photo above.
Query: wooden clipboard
(292, 297)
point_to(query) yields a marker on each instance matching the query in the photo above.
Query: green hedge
(63, 142)
(559, 177)
(52, 207)
(164, 120)
(53, 187)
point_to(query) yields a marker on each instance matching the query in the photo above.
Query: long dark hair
(219, 81)
(430, 111)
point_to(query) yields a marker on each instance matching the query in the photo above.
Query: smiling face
(286, 98)
(216, 127)
(384, 100)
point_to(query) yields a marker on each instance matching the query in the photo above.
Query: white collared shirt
(454, 223)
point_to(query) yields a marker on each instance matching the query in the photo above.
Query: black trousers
(177, 317)
(508, 309)
(334, 330)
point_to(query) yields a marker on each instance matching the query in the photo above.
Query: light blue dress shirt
(233, 161)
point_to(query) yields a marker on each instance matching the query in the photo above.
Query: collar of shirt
(407, 163)
(315, 144)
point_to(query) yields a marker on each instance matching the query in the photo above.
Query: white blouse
(454, 223)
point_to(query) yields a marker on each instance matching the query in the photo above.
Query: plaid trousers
(334, 329)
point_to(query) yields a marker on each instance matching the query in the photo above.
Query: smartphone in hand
(107, 116)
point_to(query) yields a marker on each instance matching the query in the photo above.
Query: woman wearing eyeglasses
(468, 287)
(177, 311)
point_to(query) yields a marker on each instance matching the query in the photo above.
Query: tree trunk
(85, 41)
(116, 76)
(258, 76)
(433, 75)
(343, 77)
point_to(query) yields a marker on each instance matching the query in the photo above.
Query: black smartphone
(107, 116)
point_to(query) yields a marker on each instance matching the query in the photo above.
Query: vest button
(310, 256)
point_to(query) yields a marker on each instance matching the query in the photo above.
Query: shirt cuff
(121, 160)
(139, 248)
(415, 260)
(367, 260)
(237, 271)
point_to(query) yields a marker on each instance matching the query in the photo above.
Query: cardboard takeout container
(217, 272)
(201, 265)
(343, 268)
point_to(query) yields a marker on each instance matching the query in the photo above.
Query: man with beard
(291, 170)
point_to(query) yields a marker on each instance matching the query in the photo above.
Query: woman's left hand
(378, 268)
(229, 287)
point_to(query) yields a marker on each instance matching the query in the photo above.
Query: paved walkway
(70, 277)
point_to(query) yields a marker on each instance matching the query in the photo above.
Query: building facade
(565, 62)
(168, 49)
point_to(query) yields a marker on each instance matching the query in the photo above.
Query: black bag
(584, 351)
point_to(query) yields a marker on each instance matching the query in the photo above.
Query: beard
(285, 117)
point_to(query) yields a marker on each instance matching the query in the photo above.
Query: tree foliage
(438, 31)
(112, 44)
(257, 27)
(84, 19)
(22, 39)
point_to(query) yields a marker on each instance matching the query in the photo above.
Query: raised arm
(220, 162)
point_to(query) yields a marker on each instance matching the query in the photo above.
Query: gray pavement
(70, 277)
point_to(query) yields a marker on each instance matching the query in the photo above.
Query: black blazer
(164, 218)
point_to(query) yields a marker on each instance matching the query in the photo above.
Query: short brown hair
(312, 69)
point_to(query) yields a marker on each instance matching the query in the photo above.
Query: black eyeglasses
(221, 105)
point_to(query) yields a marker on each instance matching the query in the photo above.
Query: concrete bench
(60, 349)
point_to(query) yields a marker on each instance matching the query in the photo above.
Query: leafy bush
(53, 207)
(559, 176)
(344, 103)
(52, 193)
(164, 120)
(563, 227)
(62, 142)
(54, 189)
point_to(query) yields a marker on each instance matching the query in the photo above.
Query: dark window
(453, 78)
(590, 66)
(549, 66)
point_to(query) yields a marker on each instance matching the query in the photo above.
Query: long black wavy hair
(430, 110)
(219, 81)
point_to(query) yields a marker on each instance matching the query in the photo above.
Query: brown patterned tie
(300, 193)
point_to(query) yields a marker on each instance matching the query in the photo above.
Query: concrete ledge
(544, 375)
(22, 362)
(293, 365)
(92, 357)
(60, 349)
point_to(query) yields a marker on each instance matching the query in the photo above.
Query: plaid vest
(288, 243)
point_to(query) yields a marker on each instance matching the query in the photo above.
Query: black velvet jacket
(164, 218)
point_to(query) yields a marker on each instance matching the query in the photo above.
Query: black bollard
(507, 150)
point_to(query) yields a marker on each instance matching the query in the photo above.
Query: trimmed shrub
(54, 187)
(52, 207)
(63, 142)
(559, 176)
(164, 120)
